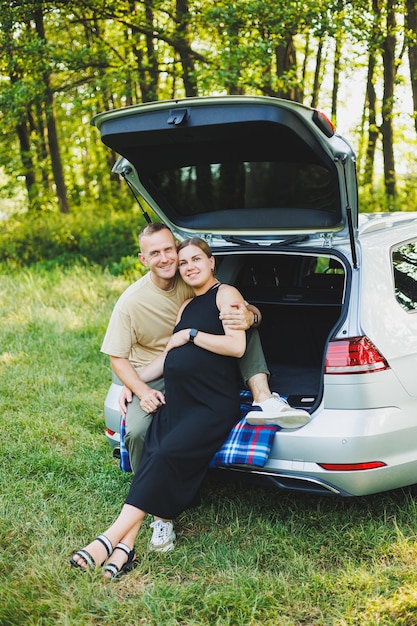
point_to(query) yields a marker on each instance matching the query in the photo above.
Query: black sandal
(86, 556)
(131, 563)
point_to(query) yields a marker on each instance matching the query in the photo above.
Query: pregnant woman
(199, 408)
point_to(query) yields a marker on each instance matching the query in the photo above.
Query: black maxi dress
(202, 405)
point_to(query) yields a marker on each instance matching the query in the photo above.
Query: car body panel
(112, 414)
(394, 330)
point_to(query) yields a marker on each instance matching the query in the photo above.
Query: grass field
(249, 555)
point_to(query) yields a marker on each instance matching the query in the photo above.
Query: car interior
(301, 301)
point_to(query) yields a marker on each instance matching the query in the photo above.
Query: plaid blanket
(124, 454)
(246, 444)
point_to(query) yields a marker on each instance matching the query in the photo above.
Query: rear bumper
(112, 415)
(385, 434)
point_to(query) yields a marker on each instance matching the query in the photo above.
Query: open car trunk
(301, 301)
(256, 168)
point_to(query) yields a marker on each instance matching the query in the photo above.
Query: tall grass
(249, 555)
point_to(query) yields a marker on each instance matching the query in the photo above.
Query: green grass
(249, 555)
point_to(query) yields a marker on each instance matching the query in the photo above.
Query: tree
(13, 102)
(371, 98)
(63, 61)
(411, 25)
(339, 19)
(24, 32)
(388, 56)
(183, 44)
(53, 143)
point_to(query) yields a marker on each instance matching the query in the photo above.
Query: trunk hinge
(343, 158)
(327, 240)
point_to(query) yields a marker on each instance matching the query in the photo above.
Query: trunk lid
(250, 168)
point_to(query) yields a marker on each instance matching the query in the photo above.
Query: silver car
(272, 187)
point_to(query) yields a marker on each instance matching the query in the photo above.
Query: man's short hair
(151, 229)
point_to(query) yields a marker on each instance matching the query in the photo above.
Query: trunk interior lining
(300, 305)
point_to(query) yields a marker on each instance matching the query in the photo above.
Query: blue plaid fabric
(246, 444)
(124, 454)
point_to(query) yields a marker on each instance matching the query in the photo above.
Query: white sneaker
(277, 411)
(163, 536)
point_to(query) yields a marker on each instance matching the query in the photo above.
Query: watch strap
(193, 334)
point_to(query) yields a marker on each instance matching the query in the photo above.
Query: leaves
(100, 54)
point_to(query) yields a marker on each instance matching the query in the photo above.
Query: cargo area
(301, 299)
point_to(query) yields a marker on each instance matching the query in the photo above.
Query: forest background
(68, 225)
(64, 61)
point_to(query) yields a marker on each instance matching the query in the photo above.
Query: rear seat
(324, 281)
(333, 278)
(289, 280)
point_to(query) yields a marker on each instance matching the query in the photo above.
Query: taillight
(355, 355)
(352, 467)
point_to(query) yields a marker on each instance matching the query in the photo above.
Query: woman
(200, 407)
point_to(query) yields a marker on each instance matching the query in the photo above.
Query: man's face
(159, 253)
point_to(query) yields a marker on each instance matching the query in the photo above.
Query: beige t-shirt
(143, 320)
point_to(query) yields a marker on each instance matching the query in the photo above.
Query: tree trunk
(388, 55)
(286, 61)
(183, 37)
(304, 68)
(53, 143)
(21, 123)
(42, 148)
(336, 74)
(28, 167)
(411, 24)
(23, 133)
(153, 71)
(317, 73)
(266, 80)
(54, 151)
(145, 55)
(372, 125)
(339, 17)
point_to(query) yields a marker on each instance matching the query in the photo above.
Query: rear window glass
(209, 187)
(404, 259)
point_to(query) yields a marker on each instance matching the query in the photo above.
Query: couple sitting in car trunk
(191, 378)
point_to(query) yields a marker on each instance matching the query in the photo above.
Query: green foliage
(94, 56)
(107, 238)
(373, 198)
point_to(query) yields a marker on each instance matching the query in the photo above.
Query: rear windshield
(191, 190)
(216, 175)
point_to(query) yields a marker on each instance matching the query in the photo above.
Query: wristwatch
(255, 319)
(193, 334)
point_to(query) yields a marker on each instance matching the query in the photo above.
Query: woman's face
(195, 267)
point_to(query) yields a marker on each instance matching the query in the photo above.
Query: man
(142, 322)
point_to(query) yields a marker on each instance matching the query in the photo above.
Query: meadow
(249, 555)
